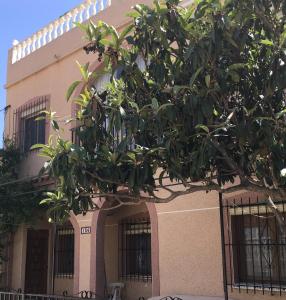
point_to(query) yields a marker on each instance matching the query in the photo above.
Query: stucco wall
(19, 258)
(189, 246)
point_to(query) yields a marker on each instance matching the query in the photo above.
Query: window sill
(137, 278)
(64, 276)
(260, 287)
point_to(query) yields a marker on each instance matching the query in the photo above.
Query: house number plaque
(85, 230)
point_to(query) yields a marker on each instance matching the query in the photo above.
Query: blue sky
(20, 19)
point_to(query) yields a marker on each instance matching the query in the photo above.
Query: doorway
(37, 261)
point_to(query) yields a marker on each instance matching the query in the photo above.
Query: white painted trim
(187, 210)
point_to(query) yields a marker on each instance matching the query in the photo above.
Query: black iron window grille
(135, 250)
(64, 252)
(27, 129)
(254, 246)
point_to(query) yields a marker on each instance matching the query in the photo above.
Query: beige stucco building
(154, 249)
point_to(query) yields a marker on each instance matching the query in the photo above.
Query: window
(64, 252)
(255, 247)
(27, 129)
(260, 250)
(136, 250)
(34, 131)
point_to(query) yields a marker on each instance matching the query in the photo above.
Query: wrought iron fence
(22, 296)
(254, 246)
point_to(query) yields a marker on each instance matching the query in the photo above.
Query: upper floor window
(27, 129)
(135, 249)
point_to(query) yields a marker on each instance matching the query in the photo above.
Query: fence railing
(22, 296)
(57, 28)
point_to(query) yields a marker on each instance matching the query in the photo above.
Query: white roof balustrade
(58, 27)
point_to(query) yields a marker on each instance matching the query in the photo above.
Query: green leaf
(280, 113)
(55, 125)
(207, 80)
(126, 31)
(155, 104)
(266, 42)
(195, 75)
(71, 89)
(40, 118)
(83, 70)
(163, 106)
(122, 111)
(37, 146)
(203, 127)
(82, 26)
(45, 201)
(237, 66)
(234, 76)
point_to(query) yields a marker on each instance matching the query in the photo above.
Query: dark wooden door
(37, 261)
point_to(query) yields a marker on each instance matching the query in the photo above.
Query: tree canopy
(205, 106)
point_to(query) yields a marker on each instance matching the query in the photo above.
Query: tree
(18, 198)
(207, 107)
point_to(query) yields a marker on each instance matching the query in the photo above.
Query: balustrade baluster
(56, 27)
(88, 8)
(15, 51)
(101, 5)
(39, 39)
(44, 37)
(68, 21)
(62, 23)
(34, 40)
(81, 13)
(29, 45)
(94, 7)
(24, 48)
(75, 15)
(19, 52)
(50, 34)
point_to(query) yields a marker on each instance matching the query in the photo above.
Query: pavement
(186, 297)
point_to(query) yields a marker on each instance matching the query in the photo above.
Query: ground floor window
(64, 252)
(135, 249)
(255, 245)
(259, 250)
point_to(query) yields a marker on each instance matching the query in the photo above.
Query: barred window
(254, 246)
(27, 129)
(64, 252)
(260, 250)
(135, 250)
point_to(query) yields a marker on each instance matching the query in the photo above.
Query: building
(166, 249)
